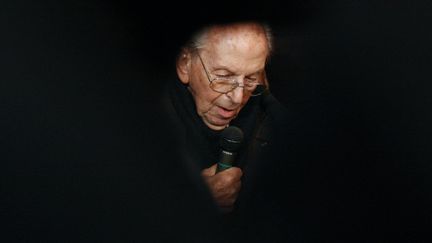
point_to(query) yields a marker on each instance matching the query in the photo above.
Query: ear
(183, 66)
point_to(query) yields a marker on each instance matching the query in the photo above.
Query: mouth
(226, 113)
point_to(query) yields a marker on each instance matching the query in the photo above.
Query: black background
(77, 89)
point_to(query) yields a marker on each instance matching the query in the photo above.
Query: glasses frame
(236, 84)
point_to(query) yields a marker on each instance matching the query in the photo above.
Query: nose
(236, 95)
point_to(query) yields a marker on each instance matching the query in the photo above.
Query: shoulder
(273, 109)
(276, 118)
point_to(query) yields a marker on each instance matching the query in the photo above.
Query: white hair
(198, 40)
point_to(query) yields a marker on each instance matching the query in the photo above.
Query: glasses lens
(222, 85)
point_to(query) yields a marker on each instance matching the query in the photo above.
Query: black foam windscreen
(231, 138)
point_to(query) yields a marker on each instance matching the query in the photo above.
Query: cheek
(206, 100)
(204, 97)
(245, 100)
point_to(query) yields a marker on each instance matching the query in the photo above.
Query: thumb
(210, 171)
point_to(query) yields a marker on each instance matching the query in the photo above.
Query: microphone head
(231, 138)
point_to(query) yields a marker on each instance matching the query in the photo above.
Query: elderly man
(221, 83)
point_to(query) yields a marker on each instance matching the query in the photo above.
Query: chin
(216, 125)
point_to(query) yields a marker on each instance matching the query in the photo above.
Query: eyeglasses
(225, 85)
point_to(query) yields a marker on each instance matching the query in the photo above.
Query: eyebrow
(224, 68)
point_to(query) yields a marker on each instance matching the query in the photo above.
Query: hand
(224, 186)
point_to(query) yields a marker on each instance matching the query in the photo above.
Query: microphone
(230, 141)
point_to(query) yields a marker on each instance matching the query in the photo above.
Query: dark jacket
(269, 176)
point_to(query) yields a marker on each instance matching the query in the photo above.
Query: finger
(235, 173)
(211, 171)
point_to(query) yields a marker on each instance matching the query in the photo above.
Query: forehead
(237, 43)
(237, 36)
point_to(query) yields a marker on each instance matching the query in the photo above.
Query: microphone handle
(226, 160)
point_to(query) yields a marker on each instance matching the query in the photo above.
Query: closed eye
(225, 76)
(251, 80)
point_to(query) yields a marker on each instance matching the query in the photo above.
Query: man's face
(228, 52)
